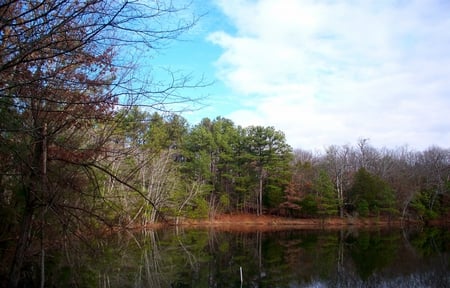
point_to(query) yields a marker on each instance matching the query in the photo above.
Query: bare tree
(435, 168)
(159, 181)
(338, 163)
(63, 71)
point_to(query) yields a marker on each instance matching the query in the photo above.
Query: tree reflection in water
(181, 257)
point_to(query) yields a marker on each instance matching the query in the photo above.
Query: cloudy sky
(325, 72)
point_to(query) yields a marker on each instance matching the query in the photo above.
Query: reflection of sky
(324, 72)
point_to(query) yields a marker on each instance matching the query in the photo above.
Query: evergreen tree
(327, 201)
(371, 192)
(270, 156)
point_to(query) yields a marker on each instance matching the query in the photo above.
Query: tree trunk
(34, 191)
(21, 248)
(340, 200)
(260, 195)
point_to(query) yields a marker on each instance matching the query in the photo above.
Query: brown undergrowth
(242, 222)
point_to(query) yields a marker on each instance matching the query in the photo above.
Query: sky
(324, 72)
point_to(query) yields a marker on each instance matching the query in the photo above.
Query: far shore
(244, 222)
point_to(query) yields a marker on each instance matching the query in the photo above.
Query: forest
(173, 170)
(86, 144)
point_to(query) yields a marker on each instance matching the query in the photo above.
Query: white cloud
(330, 72)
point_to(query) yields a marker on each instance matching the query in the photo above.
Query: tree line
(196, 171)
(216, 166)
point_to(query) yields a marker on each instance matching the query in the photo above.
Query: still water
(291, 258)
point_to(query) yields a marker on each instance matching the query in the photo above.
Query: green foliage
(232, 161)
(224, 201)
(431, 241)
(309, 206)
(433, 200)
(199, 209)
(362, 207)
(273, 196)
(270, 156)
(326, 194)
(157, 134)
(421, 205)
(371, 191)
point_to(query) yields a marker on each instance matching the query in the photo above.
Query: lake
(188, 257)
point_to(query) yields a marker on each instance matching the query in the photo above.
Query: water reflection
(293, 258)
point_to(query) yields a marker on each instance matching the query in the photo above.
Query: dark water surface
(292, 258)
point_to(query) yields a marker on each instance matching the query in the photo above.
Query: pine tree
(326, 195)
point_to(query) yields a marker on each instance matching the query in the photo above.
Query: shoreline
(248, 222)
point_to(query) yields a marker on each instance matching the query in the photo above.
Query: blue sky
(324, 72)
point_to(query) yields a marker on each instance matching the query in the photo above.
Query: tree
(326, 195)
(242, 174)
(225, 137)
(431, 169)
(337, 162)
(270, 156)
(302, 170)
(370, 191)
(149, 163)
(198, 149)
(309, 206)
(60, 80)
(211, 146)
(401, 174)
